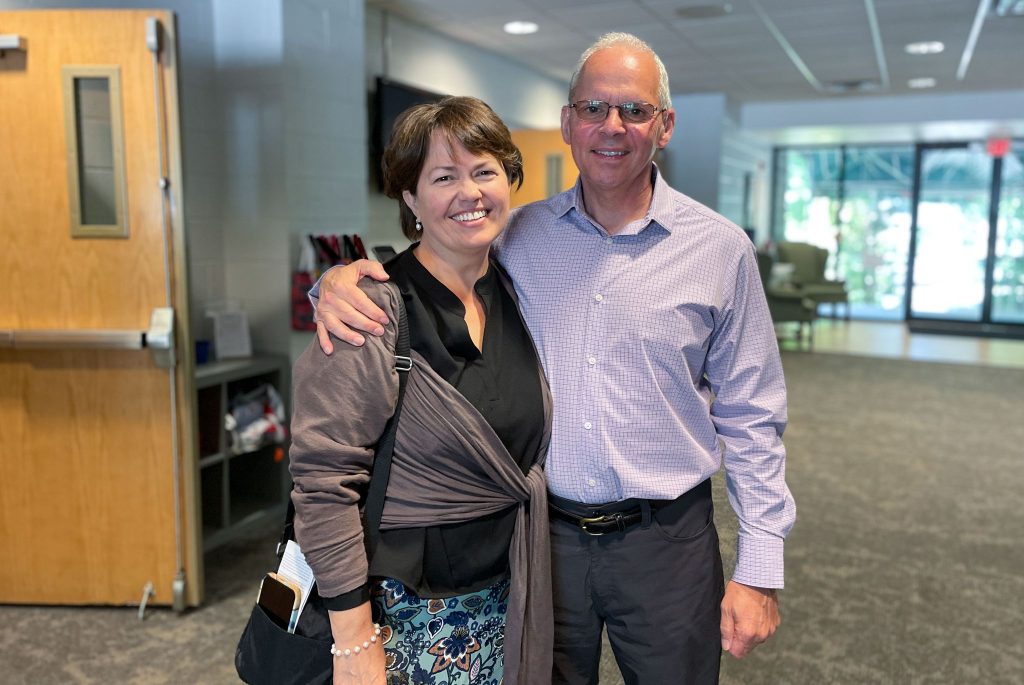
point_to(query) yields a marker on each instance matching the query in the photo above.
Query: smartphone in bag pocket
(280, 598)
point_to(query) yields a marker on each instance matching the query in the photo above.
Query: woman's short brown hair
(466, 120)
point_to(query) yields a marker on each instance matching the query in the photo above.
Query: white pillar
(692, 161)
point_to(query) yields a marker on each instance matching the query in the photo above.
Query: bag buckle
(403, 363)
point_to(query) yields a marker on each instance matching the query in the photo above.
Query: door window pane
(1008, 274)
(809, 188)
(952, 233)
(856, 203)
(95, 151)
(875, 229)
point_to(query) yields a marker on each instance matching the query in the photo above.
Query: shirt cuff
(759, 562)
(314, 292)
(348, 600)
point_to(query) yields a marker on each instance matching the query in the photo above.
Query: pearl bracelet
(358, 648)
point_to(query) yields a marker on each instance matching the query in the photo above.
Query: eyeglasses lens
(630, 112)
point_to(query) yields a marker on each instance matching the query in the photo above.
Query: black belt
(613, 522)
(616, 517)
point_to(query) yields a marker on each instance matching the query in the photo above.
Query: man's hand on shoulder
(344, 309)
(750, 616)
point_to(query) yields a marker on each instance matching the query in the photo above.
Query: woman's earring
(419, 225)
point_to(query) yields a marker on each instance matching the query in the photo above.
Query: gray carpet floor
(906, 564)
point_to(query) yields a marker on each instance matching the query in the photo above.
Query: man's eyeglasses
(630, 112)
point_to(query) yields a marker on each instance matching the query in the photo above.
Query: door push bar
(159, 339)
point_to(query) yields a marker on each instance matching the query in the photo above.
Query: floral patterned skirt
(451, 641)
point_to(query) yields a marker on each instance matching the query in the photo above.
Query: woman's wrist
(352, 626)
(352, 650)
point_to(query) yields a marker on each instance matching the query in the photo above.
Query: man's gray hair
(628, 40)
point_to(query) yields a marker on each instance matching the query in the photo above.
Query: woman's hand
(350, 628)
(342, 304)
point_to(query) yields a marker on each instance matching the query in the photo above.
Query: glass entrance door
(1008, 271)
(951, 241)
(854, 201)
(874, 223)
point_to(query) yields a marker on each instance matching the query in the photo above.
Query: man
(652, 326)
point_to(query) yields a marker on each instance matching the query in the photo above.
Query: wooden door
(547, 162)
(97, 472)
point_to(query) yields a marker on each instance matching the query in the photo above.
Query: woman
(466, 492)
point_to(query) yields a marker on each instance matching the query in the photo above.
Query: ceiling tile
(737, 54)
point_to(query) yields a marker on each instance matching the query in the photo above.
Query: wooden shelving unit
(238, 492)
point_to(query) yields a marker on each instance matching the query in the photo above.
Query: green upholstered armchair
(809, 274)
(786, 303)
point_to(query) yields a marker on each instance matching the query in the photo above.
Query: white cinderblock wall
(325, 124)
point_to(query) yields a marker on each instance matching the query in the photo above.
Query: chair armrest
(787, 291)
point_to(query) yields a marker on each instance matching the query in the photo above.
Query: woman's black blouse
(502, 382)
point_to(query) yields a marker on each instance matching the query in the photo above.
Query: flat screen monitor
(390, 100)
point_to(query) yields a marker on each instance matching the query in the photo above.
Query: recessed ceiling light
(520, 28)
(709, 11)
(925, 47)
(926, 82)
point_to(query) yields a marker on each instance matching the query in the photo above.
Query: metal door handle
(159, 338)
(75, 339)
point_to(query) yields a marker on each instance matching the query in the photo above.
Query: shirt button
(592, 483)
(591, 360)
(588, 425)
(599, 297)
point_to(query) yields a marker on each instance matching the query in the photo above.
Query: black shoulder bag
(267, 654)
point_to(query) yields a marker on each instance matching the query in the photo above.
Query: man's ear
(410, 200)
(566, 113)
(668, 122)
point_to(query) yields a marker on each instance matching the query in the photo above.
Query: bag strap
(374, 507)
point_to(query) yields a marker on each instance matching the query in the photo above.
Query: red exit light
(998, 147)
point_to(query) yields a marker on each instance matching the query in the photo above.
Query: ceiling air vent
(709, 11)
(851, 87)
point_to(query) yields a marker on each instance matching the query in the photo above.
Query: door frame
(937, 324)
(191, 533)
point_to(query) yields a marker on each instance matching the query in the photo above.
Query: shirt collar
(660, 212)
(446, 313)
(440, 293)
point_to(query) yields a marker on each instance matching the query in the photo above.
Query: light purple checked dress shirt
(661, 356)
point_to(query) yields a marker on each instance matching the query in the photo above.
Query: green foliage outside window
(1008, 275)
(857, 202)
(863, 221)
